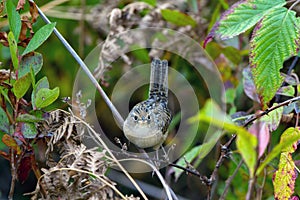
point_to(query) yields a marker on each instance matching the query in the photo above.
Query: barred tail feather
(159, 79)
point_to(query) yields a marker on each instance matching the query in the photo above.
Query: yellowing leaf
(11, 142)
(285, 176)
(287, 140)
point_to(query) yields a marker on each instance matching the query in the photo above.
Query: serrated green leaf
(28, 130)
(14, 19)
(243, 15)
(273, 41)
(39, 38)
(4, 125)
(45, 97)
(13, 50)
(35, 62)
(21, 86)
(178, 18)
(288, 138)
(285, 176)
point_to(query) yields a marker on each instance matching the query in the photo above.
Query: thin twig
(285, 103)
(230, 179)
(115, 112)
(13, 174)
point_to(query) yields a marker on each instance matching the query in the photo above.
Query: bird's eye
(148, 117)
(135, 117)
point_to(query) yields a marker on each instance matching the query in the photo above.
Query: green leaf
(246, 142)
(4, 125)
(178, 18)
(150, 2)
(14, 19)
(42, 83)
(198, 152)
(273, 118)
(243, 15)
(28, 118)
(288, 138)
(29, 130)
(13, 50)
(21, 86)
(288, 91)
(274, 40)
(39, 38)
(45, 97)
(35, 62)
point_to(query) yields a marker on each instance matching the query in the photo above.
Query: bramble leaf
(275, 39)
(285, 176)
(288, 138)
(241, 16)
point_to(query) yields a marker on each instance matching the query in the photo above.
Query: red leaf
(24, 168)
(4, 155)
(261, 131)
(18, 133)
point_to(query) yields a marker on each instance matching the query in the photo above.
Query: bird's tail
(159, 79)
